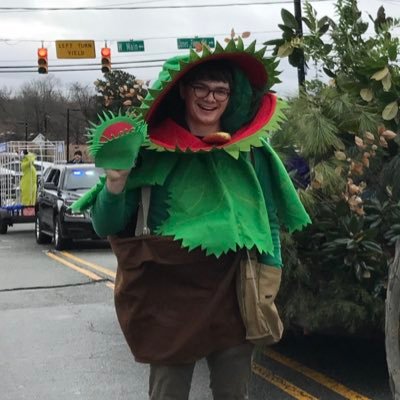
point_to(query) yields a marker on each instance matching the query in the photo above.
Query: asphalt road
(59, 338)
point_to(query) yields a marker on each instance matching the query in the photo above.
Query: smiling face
(205, 102)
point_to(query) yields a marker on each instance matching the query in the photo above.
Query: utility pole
(45, 117)
(67, 134)
(301, 74)
(26, 128)
(68, 127)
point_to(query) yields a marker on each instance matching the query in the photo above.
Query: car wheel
(60, 243)
(3, 228)
(41, 238)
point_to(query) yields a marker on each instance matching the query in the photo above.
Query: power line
(141, 38)
(62, 67)
(80, 65)
(124, 8)
(111, 5)
(78, 69)
(134, 61)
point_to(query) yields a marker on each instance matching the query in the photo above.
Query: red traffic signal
(42, 60)
(105, 60)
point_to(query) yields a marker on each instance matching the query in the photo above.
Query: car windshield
(81, 178)
(40, 166)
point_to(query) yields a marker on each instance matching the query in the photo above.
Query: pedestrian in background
(77, 158)
(28, 184)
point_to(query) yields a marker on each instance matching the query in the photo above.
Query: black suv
(60, 186)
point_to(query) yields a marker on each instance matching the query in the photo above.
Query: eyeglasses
(202, 91)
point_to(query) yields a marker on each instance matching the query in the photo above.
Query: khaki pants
(230, 372)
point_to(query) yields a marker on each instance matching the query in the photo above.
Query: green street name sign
(132, 45)
(189, 43)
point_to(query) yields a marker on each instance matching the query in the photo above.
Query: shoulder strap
(143, 212)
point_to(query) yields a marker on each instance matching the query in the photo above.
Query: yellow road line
(90, 274)
(281, 383)
(316, 376)
(96, 267)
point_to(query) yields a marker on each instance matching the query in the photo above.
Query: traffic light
(42, 61)
(105, 60)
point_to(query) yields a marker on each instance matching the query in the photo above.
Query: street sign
(189, 43)
(75, 49)
(132, 45)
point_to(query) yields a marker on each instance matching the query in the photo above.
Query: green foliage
(356, 61)
(390, 170)
(336, 270)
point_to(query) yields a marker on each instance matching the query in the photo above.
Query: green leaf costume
(214, 196)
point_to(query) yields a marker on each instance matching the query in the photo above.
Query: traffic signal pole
(67, 144)
(68, 128)
(301, 74)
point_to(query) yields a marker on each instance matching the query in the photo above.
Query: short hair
(173, 106)
(214, 70)
(78, 153)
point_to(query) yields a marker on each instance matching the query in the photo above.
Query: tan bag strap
(251, 266)
(142, 228)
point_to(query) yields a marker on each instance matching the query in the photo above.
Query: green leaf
(328, 48)
(390, 111)
(392, 52)
(355, 225)
(351, 245)
(296, 57)
(371, 233)
(289, 19)
(274, 42)
(288, 33)
(323, 30)
(310, 26)
(323, 21)
(362, 27)
(329, 72)
(376, 223)
(358, 271)
(344, 241)
(372, 246)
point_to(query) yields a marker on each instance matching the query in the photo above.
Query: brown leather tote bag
(174, 305)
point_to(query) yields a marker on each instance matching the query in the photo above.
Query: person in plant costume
(198, 144)
(28, 182)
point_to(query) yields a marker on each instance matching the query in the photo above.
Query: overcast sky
(22, 32)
